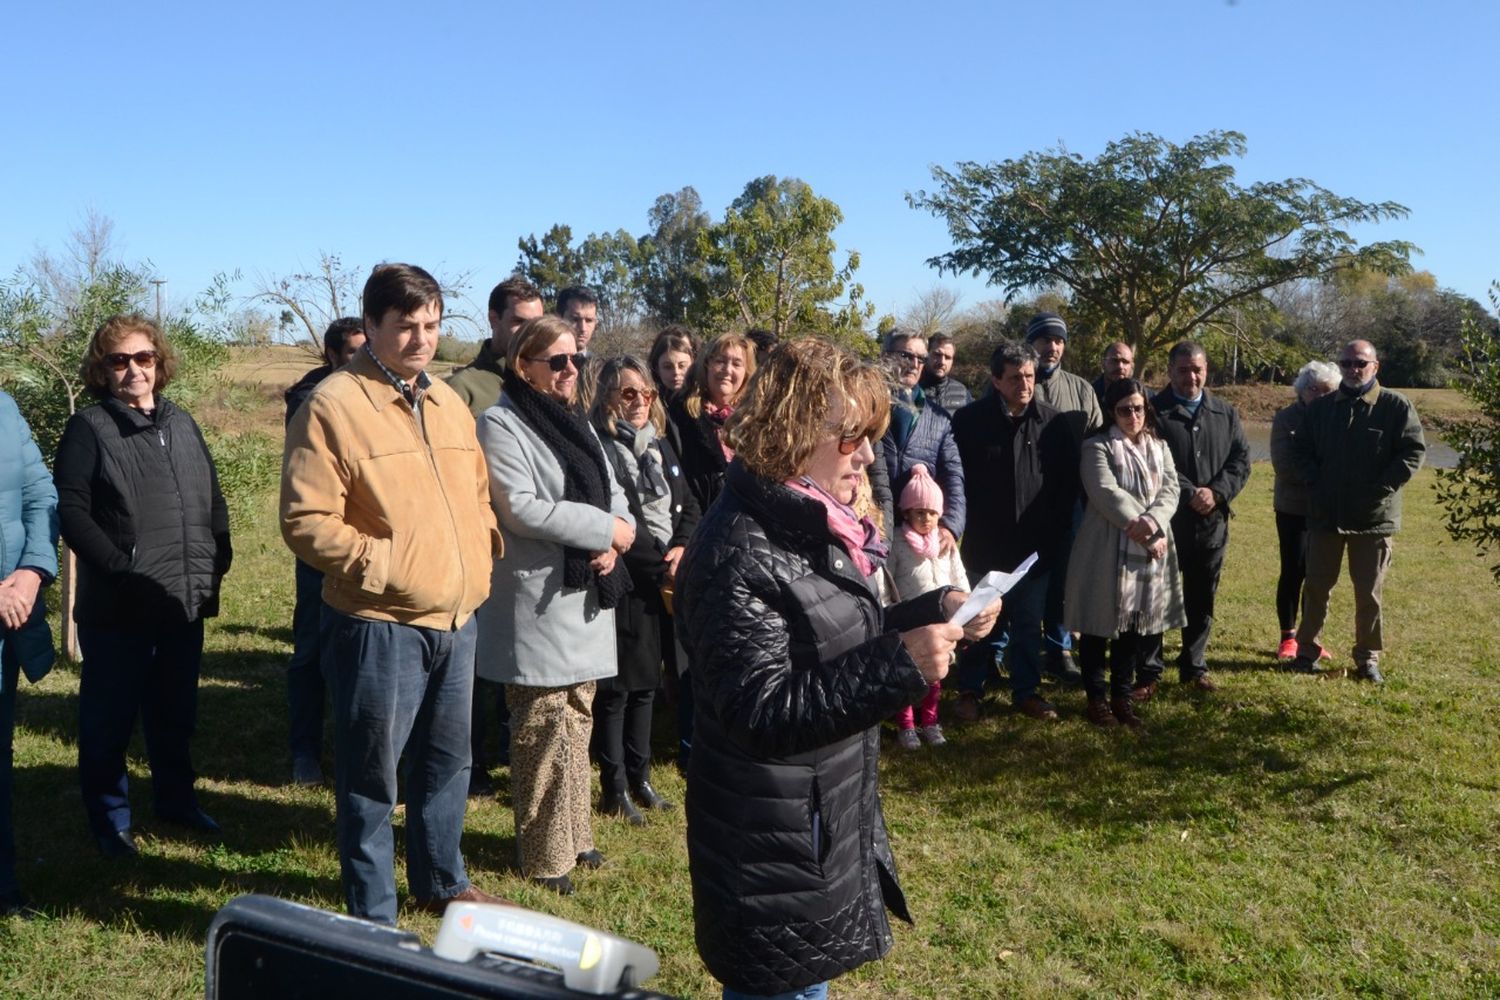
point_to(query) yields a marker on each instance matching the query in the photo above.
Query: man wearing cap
(1118, 363)
(1074, 398)
(1357, 448)
(1212, 457)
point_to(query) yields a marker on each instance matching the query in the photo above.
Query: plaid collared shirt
(411, 391)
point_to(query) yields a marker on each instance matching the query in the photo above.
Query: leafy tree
(770, 263)
(1470, 491)
(608, 263)
(671, 272)
(1152, 239)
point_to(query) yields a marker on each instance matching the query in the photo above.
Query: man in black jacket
(304, 679)
(1356, 449)
(937, 377)
(1020, 461)
(1213, 464)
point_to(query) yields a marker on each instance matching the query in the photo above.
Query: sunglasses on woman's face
(849, 445)
(1129, 410)
(120, 362)
(630, 394)
(559, 362)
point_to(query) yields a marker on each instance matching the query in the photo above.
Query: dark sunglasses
(630, 394)
(120, 362)
(849, 445)
(559, 362)
(1355, 363)
(1129, 409)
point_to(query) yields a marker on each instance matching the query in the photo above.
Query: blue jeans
(8, 681)
(817, 991)
(153, 672)
(399, 691)
(1019, 632)
(304, 681)
(1058, 639)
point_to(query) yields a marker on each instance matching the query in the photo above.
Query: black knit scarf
(585, 476)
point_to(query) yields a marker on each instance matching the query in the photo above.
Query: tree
(770, 263)
(932, 312)
(1470, 491)
(1152, 239)
(608, 263)
(671, 272)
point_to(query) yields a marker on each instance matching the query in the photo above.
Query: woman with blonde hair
(629, 419)
(796, 665)
(552, 597)
(714, 387)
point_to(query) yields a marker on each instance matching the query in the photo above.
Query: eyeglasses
(908, 357)
(849, 445)
(1355, 363)
(120, 362)
(1129, 409)
(559, 362)
(630, 394)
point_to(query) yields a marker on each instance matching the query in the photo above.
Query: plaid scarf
(1142, 591)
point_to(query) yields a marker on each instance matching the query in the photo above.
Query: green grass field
(1285, 837)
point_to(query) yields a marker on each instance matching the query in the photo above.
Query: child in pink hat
(917, 566)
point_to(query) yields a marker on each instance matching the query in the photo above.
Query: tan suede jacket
(400, 526)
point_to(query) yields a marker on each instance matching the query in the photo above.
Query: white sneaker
(933, 734)
(907, 739)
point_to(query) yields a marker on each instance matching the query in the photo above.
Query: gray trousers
(1369, 559)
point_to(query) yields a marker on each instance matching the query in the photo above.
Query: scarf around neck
(1142, 593)
(925, 546)
(858, 535)
(585, 476)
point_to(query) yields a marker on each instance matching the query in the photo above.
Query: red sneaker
(1288, 648)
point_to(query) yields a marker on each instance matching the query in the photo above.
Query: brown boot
(1124, 710)
(1099, 713)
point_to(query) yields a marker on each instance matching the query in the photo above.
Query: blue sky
(222, 136)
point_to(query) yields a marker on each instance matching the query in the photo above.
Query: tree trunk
(67, 581)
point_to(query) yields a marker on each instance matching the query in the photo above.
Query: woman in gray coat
(1122, 586)
(552, 598)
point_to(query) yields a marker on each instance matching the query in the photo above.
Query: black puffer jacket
(696, 441)
(139, 502)
(794, 667)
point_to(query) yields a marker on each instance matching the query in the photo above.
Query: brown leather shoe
(1036, 707)
(1203, 683)
(966, 709)
(1143, 692)
(1124, 712)
(469, 895)
(1099, 714)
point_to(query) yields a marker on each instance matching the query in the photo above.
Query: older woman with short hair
(552, 598)
(796, 664)
(140, 506)
(1289, 498)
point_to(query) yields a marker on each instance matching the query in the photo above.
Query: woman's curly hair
(786, 410)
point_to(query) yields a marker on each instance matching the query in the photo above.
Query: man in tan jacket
(385, 491)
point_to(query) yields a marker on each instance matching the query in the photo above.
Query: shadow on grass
(281, 635)
(181, 878)
(1199, 760)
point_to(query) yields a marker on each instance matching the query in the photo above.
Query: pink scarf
(925, 546)
(860, 537)
(719, 414)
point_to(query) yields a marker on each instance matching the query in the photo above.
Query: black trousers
(1291, 533)
(1200, 565)
(1128, 653)
(622, 736)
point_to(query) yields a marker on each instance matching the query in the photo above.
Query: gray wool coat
(1091, 595)
(532, 631)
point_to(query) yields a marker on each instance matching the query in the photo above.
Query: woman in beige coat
(1122, 585)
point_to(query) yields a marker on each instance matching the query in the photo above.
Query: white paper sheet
(992, 585)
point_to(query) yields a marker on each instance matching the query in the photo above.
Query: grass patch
(1285, 837)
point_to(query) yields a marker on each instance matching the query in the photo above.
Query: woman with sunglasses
(629, 418)
(140, 505)
(797, 664)
(552, 598)
(1122, 589)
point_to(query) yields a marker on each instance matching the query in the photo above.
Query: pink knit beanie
(922, 491)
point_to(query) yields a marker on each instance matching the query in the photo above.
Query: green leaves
(1152, 238)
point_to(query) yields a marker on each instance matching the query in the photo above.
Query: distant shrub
(455, 351)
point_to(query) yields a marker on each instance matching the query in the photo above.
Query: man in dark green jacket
(1356, 449)
(512, 302)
